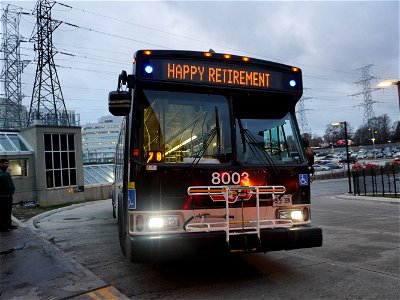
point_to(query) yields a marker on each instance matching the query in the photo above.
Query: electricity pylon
(47, 104)
(12, 114)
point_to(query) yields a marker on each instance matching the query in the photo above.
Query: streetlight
(347, 150)
(389, 83)
(373, 139)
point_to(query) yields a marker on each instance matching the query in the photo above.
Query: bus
(209, 159)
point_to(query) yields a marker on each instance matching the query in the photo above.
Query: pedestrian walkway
(34, 268)
(368, 198)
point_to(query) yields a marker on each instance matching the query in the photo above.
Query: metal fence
(381, 181)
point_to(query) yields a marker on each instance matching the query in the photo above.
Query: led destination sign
(212, 73)
(225, 76)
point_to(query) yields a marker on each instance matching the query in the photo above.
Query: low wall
(25, 192)
(24, 189)
(97, 192)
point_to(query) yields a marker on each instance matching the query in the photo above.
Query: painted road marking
(105, 293)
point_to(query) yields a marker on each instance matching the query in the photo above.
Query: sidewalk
(34, 268)
(367, 198)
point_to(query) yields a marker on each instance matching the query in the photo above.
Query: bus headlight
(157, 222)
(296, 215)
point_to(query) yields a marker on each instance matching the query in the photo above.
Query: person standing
(7, 190)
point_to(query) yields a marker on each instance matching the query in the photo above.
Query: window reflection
(275, 138)
(184, 127)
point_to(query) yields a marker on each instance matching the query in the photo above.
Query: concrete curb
(367, 198)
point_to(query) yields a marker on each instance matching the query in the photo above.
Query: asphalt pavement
(32, 267)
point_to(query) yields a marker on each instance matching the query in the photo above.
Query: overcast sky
(329, 41)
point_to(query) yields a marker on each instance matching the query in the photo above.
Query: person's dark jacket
(6, 184)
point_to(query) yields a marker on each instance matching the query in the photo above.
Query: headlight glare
(169, 222)
(156, 222)
(296, 215)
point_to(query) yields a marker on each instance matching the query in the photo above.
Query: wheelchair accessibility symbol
(303, 179)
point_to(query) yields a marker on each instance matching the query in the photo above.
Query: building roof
(98, 174)
(12, 143)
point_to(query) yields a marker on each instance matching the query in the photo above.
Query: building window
(60, 160)
(19, 167)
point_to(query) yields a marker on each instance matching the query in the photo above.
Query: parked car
(319, 168)
(352, 159)
(334, 165)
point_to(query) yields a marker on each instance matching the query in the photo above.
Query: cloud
(328, 40)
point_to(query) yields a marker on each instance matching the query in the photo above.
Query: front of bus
(216, 162)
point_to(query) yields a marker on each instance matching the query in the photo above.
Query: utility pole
(47, 104)
(12, 114)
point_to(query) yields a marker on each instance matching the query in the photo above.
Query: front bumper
(195, 243)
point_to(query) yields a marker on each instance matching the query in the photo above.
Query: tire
(121, 225)
(113, 203)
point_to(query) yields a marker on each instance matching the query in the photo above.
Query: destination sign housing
(216, 73)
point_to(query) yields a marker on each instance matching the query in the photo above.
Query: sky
(329, 40)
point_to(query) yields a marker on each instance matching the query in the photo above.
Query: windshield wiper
(261, 154)
(216, 131)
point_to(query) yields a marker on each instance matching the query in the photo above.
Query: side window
(281, 141)
(119, 155)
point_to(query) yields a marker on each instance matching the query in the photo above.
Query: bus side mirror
(119, 103)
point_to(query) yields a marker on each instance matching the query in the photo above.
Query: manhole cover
(58, 219)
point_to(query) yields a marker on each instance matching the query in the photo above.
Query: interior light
(148, 69)
(208, 54)
(227, 56)
(147, 52)
(292, 83)
(181, 144)
(295, 69)
(156, 222)
(244, 58)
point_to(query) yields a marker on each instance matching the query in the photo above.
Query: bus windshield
(183, 127)
(272, 138)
